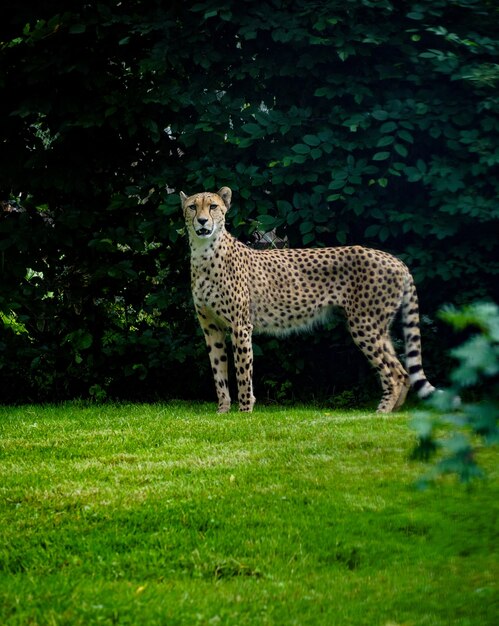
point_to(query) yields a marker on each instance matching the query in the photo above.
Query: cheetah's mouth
(203, 232)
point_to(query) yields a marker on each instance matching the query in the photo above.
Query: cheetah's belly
(283, 318)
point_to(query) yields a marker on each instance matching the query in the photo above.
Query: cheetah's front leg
(243, 361)
(215, 341)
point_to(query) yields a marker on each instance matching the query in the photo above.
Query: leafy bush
(457, 434)
(336, 123)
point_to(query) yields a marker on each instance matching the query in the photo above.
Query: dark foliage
(335, 122)
(458, 433)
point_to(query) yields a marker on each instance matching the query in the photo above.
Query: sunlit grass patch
(171, 514)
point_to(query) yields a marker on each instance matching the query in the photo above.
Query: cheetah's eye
(192, 207)
(213, 206)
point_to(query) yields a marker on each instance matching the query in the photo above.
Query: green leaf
(337, 184)
(267, 222)
(311, 140)
(253, 129)
(307, 227)
(381, 156)
(385, 141)
(284, 206)
(301, 148)
(372, 231)
(384, 233)
(406, 136)
(401, 149)
(299, 158)
(325, 135)
(341, 237)
(388, 127)
(80, 339)
(413, 175)
(76, 29)
(421, 165)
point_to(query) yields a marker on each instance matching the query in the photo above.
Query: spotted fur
(239, 290)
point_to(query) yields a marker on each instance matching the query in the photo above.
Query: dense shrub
(455, 434)
(337, 122)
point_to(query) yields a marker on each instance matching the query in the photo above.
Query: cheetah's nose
(202, 220)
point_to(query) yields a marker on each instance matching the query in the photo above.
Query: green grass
(170, 514)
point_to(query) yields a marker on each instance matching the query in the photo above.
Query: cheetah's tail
(412, 337)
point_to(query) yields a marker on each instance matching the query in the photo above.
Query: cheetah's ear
(183, 198)
(226, 194)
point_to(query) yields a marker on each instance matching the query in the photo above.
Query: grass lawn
(170, 514)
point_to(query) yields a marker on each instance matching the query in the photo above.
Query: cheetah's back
(292, 290)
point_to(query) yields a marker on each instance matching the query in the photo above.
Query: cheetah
(239, 290)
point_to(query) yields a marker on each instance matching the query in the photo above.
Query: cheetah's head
(204, 213)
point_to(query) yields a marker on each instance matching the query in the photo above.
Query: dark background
(358, 122)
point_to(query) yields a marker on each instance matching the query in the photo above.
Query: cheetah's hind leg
(402, 396)
(375, 346)
(399, 373)
(396, 383)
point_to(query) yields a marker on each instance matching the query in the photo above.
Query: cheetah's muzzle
(203, 232)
